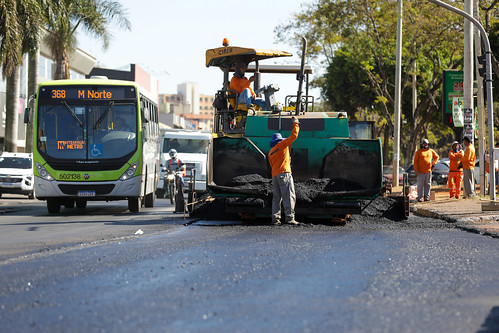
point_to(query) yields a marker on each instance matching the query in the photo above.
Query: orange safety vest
(239, 85)
(279, 155)
(455, 159)
(424, 159)
(178, 162)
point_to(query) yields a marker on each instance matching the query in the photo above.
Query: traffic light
(482, 61)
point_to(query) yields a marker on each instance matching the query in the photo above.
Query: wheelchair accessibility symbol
(96, 150)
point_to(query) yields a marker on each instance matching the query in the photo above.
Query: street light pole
(396, 120)
(488, 82)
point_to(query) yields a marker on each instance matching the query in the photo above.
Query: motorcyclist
(174, 164)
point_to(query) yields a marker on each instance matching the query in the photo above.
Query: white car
(16, 174)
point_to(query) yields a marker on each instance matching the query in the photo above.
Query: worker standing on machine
(282, 180)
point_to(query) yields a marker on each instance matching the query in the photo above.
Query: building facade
(187, 108)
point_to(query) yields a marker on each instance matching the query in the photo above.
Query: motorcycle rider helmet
(172, 153)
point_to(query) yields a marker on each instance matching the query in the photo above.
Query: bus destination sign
(87, 92)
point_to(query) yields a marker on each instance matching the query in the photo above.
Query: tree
(362, 35)
(19, 33)
(67, 16)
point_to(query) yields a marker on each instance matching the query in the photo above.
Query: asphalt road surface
(91, 273)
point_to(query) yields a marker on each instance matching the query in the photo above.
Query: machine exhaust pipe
(300, 77)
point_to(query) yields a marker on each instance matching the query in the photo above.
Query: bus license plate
(86, 193)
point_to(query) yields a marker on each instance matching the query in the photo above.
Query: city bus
(94, 139)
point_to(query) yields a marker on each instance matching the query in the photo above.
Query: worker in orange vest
(241, 84)
(468, 162)
(282, 180)
(424, 160)
(455, 170)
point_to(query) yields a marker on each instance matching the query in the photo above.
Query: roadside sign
(457, 112)
(452, 88)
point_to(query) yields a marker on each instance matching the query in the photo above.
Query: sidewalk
(466, 213)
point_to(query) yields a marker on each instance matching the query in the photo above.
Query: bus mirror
(27, 116)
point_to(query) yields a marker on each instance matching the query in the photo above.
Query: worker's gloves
(295, 120)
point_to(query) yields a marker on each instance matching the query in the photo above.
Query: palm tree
(19, 33)
(92, 16)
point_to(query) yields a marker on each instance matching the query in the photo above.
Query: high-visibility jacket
(455, 158)
(279, 155)
(180, 166)
(468, 159)
(424, 159)
(239, 85)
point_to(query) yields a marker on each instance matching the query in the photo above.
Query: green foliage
(347, 92)
(19, 31)
(357, 41)
(64, 17)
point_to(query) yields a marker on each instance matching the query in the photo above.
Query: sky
(169, 39)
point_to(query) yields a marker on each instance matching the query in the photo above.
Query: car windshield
(190, 146)
(15, 162)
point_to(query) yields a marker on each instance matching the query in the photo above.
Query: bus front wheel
(149, 200)
(134, 204)
(53, 205)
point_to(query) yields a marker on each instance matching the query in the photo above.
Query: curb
(487, 225)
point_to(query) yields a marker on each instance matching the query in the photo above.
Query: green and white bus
(94, 139)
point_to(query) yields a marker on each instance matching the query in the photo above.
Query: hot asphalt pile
(306, 193)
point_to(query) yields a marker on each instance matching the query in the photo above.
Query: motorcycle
(174, 190)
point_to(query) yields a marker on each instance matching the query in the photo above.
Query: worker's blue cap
(276, 138)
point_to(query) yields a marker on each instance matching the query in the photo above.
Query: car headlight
(43, 172)
(130, 171)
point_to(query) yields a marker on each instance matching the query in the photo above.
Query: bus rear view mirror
(27, 116)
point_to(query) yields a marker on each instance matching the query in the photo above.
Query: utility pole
(480, 102)
(468, 62)
(396, 120)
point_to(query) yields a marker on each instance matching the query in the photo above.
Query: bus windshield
(97, 130)
(186, 146)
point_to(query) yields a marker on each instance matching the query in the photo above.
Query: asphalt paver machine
(333, 173)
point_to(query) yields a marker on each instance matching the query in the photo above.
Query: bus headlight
(130, 172)
(43, 172)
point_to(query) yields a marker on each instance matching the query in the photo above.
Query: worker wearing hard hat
(455, 170)
(424, 160)
(282, 180)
